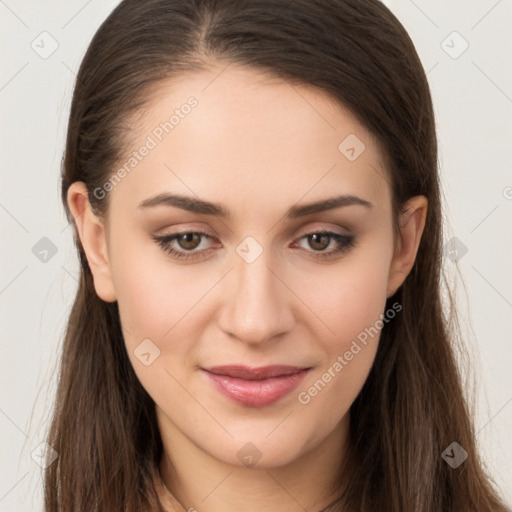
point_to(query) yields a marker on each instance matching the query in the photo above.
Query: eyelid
(310, 231)
(344, 243)
(327, 227)
(314, 227)
(171, 237)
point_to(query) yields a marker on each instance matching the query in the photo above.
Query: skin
(258, 147)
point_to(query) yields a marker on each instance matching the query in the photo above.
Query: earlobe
(412, 224)
(92, 235)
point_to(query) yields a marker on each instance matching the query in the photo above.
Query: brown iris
(189, 241)
(315, 241)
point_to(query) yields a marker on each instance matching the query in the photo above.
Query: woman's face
(252, 164)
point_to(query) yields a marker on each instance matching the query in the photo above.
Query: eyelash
(345, 242)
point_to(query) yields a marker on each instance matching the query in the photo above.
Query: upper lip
(254, 373)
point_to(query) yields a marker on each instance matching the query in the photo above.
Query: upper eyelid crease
(200, 206)
(345, 244)
(163, 240)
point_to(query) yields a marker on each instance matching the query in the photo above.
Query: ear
(91, 231)
(412, 222)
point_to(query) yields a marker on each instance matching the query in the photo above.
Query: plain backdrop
(465, 47)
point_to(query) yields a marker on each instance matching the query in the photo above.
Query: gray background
(473, 101)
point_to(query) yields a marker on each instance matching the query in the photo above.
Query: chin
(260, 453)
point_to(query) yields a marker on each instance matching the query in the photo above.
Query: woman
(258, 324)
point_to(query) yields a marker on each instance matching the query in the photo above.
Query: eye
(187, 245)
(321, 240)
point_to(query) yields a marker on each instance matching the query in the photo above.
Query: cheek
(158, 308)
(347, 298)
(352, 307)
(160, 300)
(151, 298)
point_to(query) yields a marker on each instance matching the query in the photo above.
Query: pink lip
(256, 387)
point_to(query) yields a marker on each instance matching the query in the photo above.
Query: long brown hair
(412, 406)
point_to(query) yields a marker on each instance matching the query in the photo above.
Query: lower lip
(257, 393)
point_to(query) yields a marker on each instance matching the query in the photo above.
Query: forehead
(249, 140)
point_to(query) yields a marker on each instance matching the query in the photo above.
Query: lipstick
(255, 386)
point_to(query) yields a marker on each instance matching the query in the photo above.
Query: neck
(200, 482)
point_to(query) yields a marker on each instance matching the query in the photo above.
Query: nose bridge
(256, 307)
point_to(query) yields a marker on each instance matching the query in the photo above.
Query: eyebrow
(200, 206)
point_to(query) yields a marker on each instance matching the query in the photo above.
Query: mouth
(255, 387)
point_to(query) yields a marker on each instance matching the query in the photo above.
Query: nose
(257, 306)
